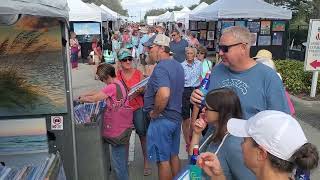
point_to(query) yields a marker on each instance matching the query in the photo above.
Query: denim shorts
(163, 139)
(140, 122)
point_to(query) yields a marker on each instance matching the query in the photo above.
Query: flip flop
(147, 171)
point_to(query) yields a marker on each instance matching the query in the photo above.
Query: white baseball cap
(162, 40)
(277, 132)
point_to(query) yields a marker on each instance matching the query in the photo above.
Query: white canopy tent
(105, 16)
(80, 11)
(114, 14)
(166, 17)
(56, 8)
(182, 12)
(230, 9)
(151, 20)
(185, 18)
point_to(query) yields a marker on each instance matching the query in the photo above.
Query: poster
(202, 25)
(193, 25)
(240, 23)
(278, 26)
(210, 35)
(254, 27)
(203, 35)
(86, 28)
(211, 25)
(264, 40)
(32, 79)
(23, 141)
(277, 38)
(253, 39)
(265, 27)
(226, 24)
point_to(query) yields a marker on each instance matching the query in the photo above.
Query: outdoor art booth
(36, 130)
(268, 24)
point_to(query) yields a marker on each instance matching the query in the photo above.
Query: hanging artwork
(264, 40)
(277, 38)
(203, 34)
(226, 24)
(253, 39)
(210, 35)
(265, 27)
(202, 25)
(240, 23)
(254, 27)
(278, 26)
(211, 25)
(193, 25)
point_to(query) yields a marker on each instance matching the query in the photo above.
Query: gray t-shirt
(167, 73)
(178, 48)
(259, 88)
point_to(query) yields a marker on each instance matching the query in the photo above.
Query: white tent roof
(151, 20)
(114, 14)
(185, 18)
(253, 9)
(182, 12)
(105, 16)
(56, 8)
(80, 11)
(166, 17)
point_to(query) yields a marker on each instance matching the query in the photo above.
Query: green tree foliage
(193, 6)
(114, 5)
(207, 1)
(157, 12)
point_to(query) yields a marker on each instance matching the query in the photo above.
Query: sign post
(312, 58)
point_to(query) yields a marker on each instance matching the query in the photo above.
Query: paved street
(308, 114)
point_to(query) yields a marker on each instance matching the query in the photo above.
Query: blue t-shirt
(259, 88)
(178, 48)
(230, 157)
(167, 73)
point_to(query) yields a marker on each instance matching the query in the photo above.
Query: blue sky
(138, 8)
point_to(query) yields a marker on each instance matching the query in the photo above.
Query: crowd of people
(246, 118)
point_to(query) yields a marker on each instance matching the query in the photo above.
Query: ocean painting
(32, 73)
(23, 142)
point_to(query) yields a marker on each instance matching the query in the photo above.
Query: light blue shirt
(144, 39)
(192, 73)
(259, 88)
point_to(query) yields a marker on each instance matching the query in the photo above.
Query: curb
(305, 102)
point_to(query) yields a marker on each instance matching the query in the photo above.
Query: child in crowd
(221, 105)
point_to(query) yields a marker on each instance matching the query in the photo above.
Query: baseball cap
(277, 132)
(263, 53)
(124, 53)
(161, 25)
(158, 39)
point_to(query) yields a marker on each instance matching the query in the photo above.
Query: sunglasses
(126, 59)
(225, 48)
(173, 35)
(201, 53)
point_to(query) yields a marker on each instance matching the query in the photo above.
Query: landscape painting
(32, 79)
(23, 141)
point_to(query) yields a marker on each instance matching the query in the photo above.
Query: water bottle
(302, 174)
(195, 172)
(204, 86)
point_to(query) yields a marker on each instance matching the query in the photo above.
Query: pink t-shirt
(111, 91)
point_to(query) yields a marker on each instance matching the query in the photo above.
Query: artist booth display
(268, 24)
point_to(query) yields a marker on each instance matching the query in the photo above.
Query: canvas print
(226, 24)
(278, 26)
(254, 27)
(202, 25)
(240, 23)
(253, 39)
(211, 25)
(193, 25)
(277, 38)
(264, 40)
(210, 35)
(32, 67)
(265, 27)
(23, 141)
(203, 35)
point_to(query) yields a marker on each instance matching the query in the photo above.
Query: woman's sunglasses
(126, 59)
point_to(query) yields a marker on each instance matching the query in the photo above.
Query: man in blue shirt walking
(162, 101)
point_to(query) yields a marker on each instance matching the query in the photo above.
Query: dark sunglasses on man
(126, 59)
(225, 48)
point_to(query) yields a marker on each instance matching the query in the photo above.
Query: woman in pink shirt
(193, 41)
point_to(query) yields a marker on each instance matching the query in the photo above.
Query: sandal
(147, 171)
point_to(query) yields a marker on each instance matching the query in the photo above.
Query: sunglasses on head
(126, 59)
(225, 48)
